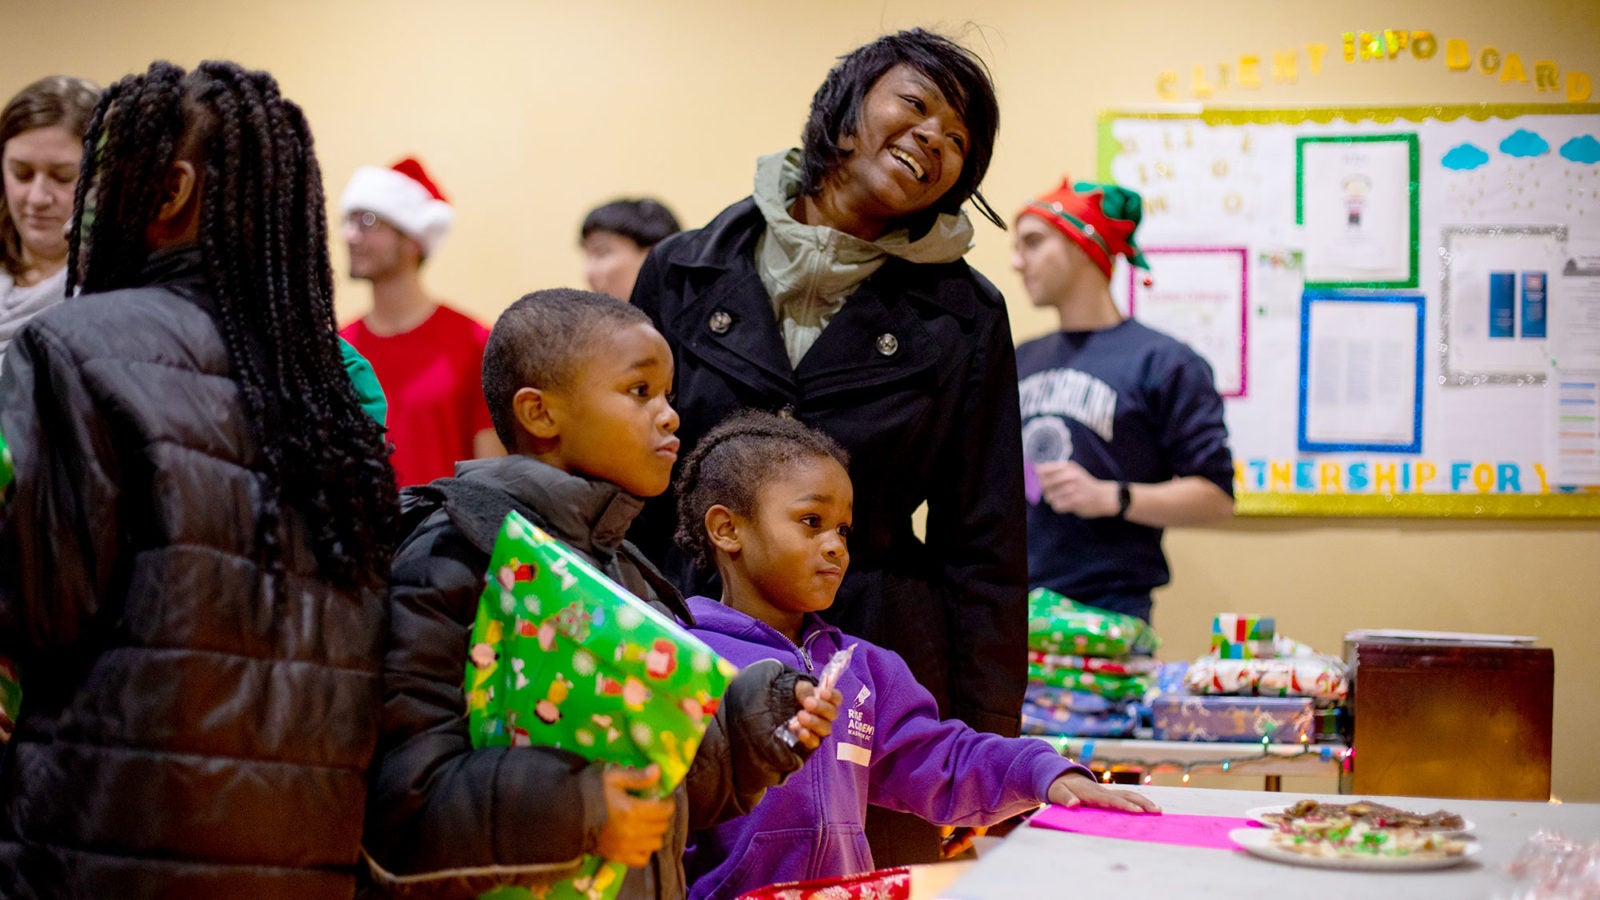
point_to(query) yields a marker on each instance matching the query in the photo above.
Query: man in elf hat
(428, 357)
(1122, 426)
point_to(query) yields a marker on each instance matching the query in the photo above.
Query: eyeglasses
(362, 221)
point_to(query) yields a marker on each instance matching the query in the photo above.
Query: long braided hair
(263, 235)
(729, 466)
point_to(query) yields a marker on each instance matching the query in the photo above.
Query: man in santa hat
(1122, 427)
(428, 357)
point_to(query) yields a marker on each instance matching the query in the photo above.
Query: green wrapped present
(10, 698)
(562, 656)
(1103, 684)
(6, 471)
(1059, 625)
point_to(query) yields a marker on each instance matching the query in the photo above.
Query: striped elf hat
(1101, 218)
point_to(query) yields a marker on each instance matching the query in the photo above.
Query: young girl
(768, 502)
(194, 561)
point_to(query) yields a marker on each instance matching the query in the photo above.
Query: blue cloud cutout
(1464, 157)
(1523, 142)
(1583, 149)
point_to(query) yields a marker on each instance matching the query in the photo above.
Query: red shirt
(432, 377)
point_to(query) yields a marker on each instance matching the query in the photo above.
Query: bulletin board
(1401, 305)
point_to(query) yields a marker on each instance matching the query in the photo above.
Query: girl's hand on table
(1078, 789)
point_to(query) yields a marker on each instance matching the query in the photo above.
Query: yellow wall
(531, 111)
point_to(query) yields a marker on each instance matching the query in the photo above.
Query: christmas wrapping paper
(10, 698)
(1112, 687)
(881, 884)
(1286, 720)
(1052, 711)
(561, 656)
(1058, 625)
(6, 470)
(1242, 636)
(1133, 665)
(1322, 677)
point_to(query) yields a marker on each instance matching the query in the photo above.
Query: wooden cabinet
(1451, 719)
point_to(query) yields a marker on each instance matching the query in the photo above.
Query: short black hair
(539, 341)
(729, 466)
(644, 221)
(957, 72)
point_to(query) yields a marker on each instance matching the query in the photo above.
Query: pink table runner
(1168, 828)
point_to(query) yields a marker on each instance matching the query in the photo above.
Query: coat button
(720, 322)
(888, 344)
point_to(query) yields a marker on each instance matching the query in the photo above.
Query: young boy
(577, 385)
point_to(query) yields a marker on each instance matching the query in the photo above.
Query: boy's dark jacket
(445, 820)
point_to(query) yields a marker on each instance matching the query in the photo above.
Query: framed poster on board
(1356, 197)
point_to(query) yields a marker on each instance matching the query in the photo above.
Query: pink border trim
(1244, 302)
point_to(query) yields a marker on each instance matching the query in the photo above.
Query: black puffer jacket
(450, 821)
(190, 726)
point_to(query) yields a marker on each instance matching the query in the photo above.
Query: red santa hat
(404, 196)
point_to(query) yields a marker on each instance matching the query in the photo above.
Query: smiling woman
(837, 295)
(41, 139)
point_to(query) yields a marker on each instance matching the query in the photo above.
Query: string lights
(1144, 768)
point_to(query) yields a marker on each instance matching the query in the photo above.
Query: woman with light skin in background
(41, 140)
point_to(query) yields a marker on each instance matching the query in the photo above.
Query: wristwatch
(1124, 498)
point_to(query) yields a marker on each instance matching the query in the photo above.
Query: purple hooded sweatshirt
(888, 748)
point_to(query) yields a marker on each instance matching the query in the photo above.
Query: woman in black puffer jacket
(192, 564)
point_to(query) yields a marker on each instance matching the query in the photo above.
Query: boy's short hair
(539, 342)
(644, 221)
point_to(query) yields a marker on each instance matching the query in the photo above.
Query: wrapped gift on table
(1320, 677)
(1058, 625)
(1243, 636)
(561, 656)
(1129, 665)
(1285, 720)
(1111, 687)
(1058, 712)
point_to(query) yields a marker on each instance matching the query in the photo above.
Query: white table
(1041, 863)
